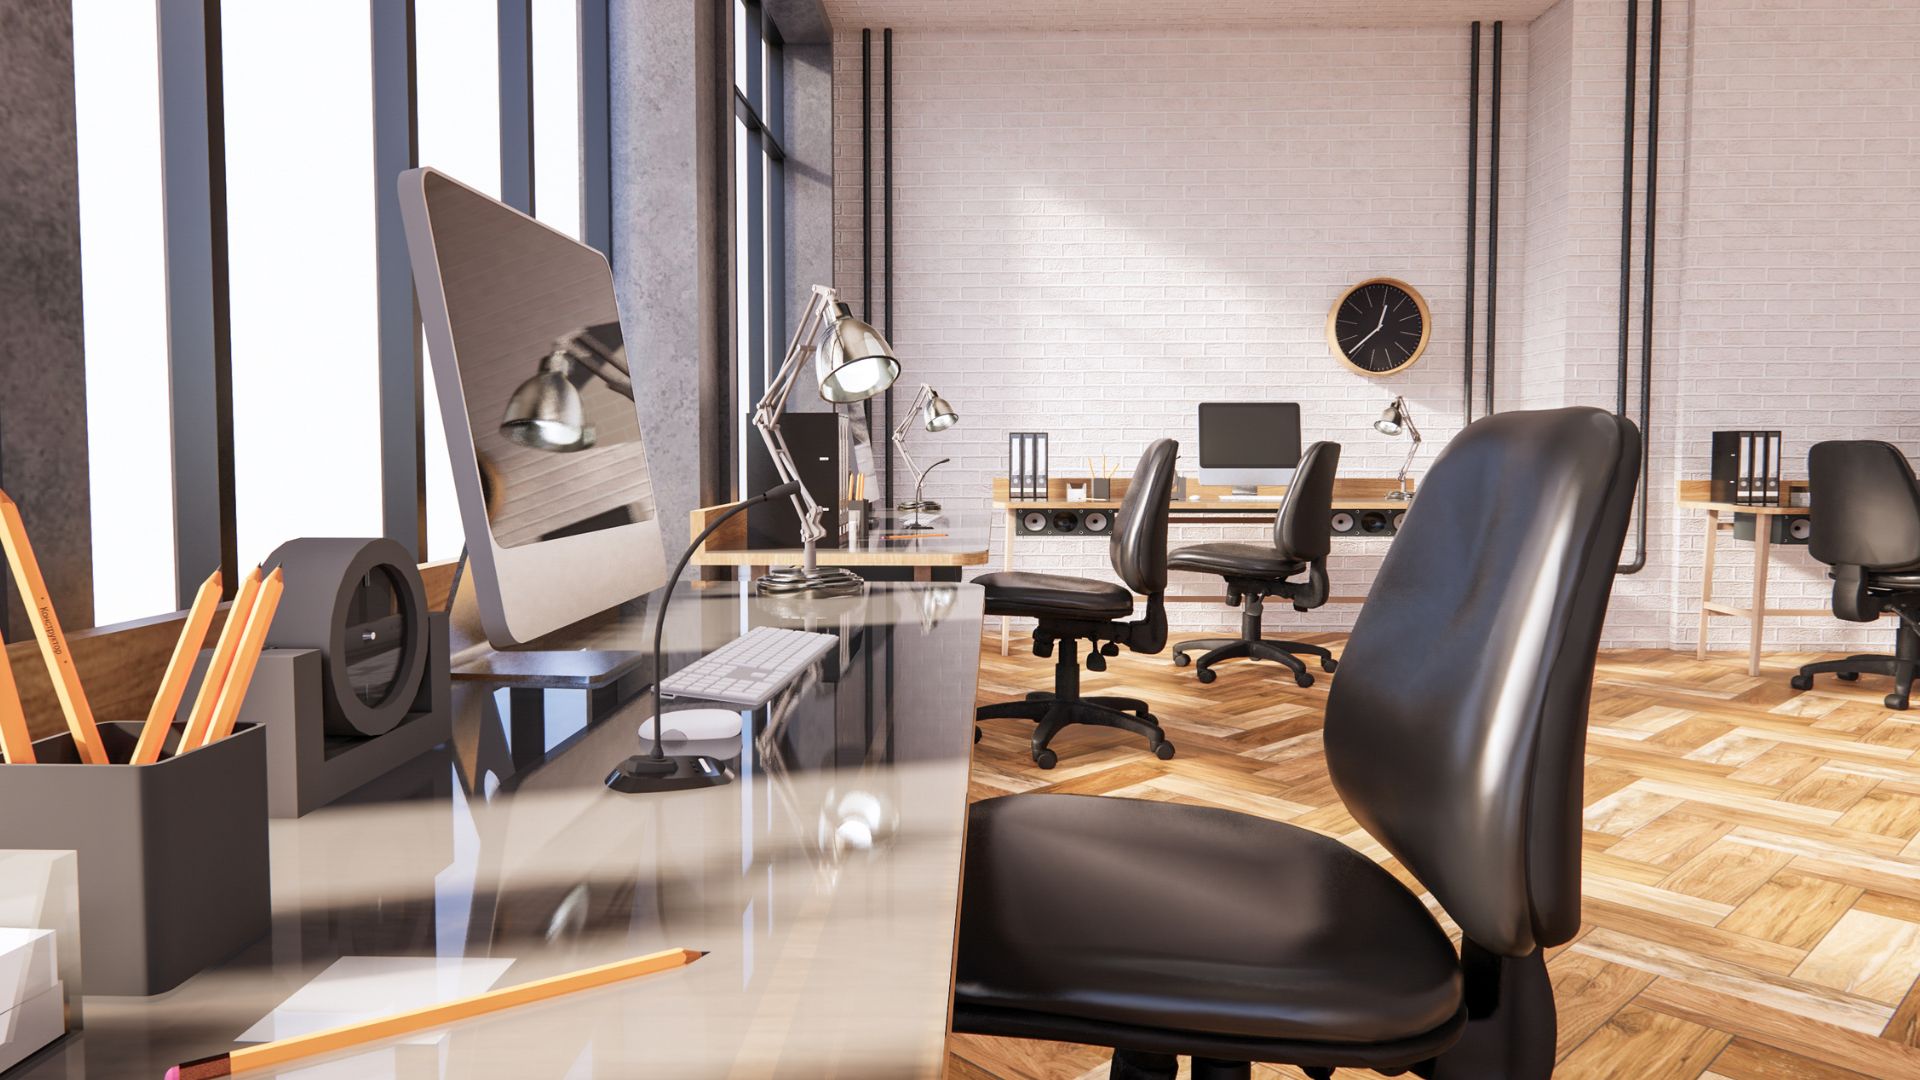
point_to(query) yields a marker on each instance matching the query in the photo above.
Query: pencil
(223, 649)
(46, 627)
(174, 683)
(252, 640)
(348, 1036)
(16, 745)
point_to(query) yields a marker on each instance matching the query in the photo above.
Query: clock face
(1379, 327)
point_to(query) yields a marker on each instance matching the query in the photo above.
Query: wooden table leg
(1006, 563)
(1762, 561)
(1706, 582)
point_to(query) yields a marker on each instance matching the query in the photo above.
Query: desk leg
(1762, 562)
(1706, 582)
(1006, 563)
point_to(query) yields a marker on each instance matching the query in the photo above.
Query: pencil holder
(173, 855)
(1102, 489)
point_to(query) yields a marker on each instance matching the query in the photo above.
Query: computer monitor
(1249, 443)
(537, 399)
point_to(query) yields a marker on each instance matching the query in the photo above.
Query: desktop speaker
(1096, 522)
(361, 603)
(1366, 522)
(1066, 522)
(1036, 522)
(1792, 530)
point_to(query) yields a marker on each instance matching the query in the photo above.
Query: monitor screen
(1249, 435)
(537, 340)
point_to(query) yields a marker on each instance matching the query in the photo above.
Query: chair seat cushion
(1900, 580)
(1234, 560)
(1014, 592)
(1188, 918)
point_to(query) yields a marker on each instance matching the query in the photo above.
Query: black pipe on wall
(866, 173)
(1626, 199)
(1473, 216)
(886, 207)
(1493, 221)
(1649, 233)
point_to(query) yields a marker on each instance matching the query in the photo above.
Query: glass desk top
(824, 881)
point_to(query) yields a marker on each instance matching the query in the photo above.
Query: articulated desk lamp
(938, 416)
(1393, 419)
(545, 412)
(853, 363)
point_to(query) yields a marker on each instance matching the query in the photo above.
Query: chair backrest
(1303, 529)
(1456, 729)
(1867, 506)
(1139, 545)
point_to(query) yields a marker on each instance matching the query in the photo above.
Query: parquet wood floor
(1752, 854)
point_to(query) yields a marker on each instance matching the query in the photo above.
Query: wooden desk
(1206, 504)
(1719, 518)
(960, 538)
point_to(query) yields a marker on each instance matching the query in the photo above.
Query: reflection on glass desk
(954, 538)
(824, 881)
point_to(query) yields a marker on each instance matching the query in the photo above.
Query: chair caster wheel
(1205, 675)
(1110, 649)
(1896, 701)
(1181, 659)
(976, 734)
(1046, 759)
(1329, 665)
(1096, 662)
(1847, 676)
(1315, 1072)
(1163, 750)
(1801, 682)
(1303, 679)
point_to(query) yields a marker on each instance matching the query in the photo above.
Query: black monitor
(1249, 443)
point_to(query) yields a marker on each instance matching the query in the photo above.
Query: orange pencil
(224, 648)
(348, 1036)
(46, 625)
(252, 639)
(15, 744)
(174, 683)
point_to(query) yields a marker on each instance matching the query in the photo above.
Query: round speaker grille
(361, 603)
(1800, 528)
(1033, 521)
(1096, 521)
(1342, 522)
(1065, 521)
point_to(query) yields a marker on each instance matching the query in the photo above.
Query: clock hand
(1363, 341)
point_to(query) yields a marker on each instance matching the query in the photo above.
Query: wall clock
(1379, 327)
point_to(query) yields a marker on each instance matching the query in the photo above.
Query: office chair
(1869, 532)
(1454, 736)
(1302, 536)
(1071, 608)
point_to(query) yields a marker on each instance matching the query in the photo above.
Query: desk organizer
(173, 855)
(308, 765)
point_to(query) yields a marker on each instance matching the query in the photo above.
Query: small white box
(36, 1022)
(28, 964)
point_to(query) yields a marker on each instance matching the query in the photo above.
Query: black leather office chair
(1071, 608)
(1302, 536)
(1454, 735)
(1868, 530)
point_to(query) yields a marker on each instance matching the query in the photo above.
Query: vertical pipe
(1648, 233)
(1473, 218)
(886, 209)
(866, 174)
(516, 104)
(1493, 219)
(396, 148)
(1626, 199)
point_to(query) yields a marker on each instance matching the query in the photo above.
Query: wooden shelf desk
(1719, 518)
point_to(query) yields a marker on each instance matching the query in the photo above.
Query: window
(759, 184)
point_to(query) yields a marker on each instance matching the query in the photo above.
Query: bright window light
(556, 114)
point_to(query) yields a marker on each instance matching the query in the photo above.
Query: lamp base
(821, 581)
(695, 725)
(1399, 496)
(642, 773)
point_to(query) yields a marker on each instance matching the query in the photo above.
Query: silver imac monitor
(1249, 443)
(537, 399)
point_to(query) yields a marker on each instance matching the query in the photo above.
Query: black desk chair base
(1063, 707)
(1251, 646)
(1901, 667)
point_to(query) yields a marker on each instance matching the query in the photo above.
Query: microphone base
(642, 774)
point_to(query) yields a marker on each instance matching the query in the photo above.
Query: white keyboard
(751, 668)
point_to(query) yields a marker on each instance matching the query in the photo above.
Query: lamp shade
(1391, 418)
(940, 415)
(856, 362)
(545, 413)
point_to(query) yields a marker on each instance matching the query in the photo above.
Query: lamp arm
(604, 369)
(766, 417)
(920, 398)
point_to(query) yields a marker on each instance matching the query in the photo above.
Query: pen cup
(854, 514)
(1101, 489)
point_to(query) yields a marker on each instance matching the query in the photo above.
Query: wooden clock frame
(1419, 350)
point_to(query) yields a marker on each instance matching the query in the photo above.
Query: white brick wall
(1125, 223)
(1093, 226)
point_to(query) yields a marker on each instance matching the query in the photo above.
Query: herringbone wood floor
(1752, 870)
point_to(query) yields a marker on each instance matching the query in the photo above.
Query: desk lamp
(937, 416)
(1393, 419)
(853, 363)
(545, 412)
